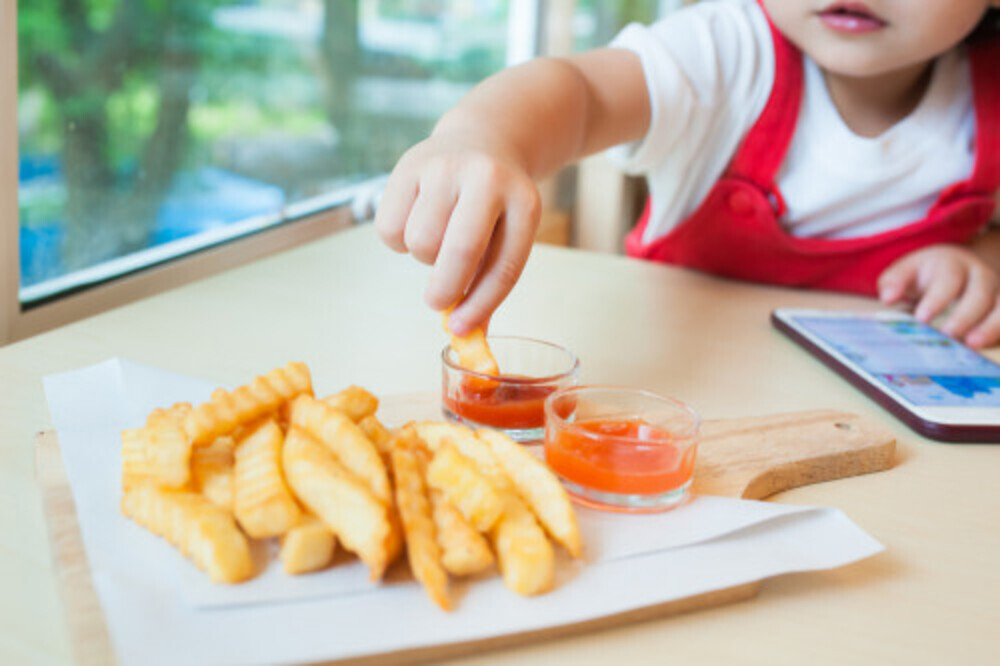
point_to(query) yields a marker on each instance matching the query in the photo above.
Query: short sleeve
(709, 69)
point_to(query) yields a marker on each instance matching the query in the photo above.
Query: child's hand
(934, 278)
(469, 210)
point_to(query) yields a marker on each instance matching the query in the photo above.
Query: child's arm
(464, 200)
(966, 278)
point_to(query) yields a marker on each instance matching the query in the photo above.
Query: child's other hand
(470, 211)
(948, 275)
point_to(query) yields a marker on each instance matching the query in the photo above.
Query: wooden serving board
(751, 458)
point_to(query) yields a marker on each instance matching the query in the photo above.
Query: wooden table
(353, 310)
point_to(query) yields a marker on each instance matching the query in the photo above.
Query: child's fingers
(942, 290)
(394, 208)
(505, 259)
(975, 303)
(987, 331)
(899, 282)
(464, 245)
(428, 220)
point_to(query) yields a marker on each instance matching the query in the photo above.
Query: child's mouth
(851, 17)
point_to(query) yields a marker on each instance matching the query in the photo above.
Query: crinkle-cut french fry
(136, 466)
(524, 553)
(354, 401)
(376, 433)
(464, 487)
(201, 530)
(422, 549)
(168, 447)
(179, 411)
(345, 504)
(309, 546)
(473, 352)
(464, 551)
(212, 471)
(226, 410)
(539, 487)
(345, 440)
(159, 451)
(434, 433)
(263, 505)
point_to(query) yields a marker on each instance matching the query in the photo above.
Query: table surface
(354, 312)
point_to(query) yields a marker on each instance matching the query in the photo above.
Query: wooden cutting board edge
(91, 643)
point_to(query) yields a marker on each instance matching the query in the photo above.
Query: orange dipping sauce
(628, 457)
(505, 405)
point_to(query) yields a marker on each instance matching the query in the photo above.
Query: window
(149, 131)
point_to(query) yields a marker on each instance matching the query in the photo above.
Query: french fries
(344, 503)
(307, 547)
(265, 394)
(345, 440)
(525, 556)
(269, 461)
(198, 528)
(464, 551)
(376, 433)
(464, 487)
(263, 505)
(354, 401)
(523, 553)
(159, 451)
(212, 471)
(422, 548)
(539, 488)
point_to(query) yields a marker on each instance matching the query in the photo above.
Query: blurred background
(176, 124)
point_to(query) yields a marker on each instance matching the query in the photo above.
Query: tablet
(937, 386)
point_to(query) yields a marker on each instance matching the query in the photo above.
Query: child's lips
(851, 17)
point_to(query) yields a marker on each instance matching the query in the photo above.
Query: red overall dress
(735, 231)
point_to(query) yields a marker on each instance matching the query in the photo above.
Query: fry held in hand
(345, 440)
(472, 349)
(422, 548)
(263, 505)
(201, 530)
(344, 503)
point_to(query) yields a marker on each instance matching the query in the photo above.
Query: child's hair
(988, 28)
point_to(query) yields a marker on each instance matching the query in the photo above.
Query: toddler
(851, 146)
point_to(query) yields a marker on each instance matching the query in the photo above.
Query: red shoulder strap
(984, 60)
(764, 147)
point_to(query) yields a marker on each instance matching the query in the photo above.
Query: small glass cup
(621, 449)
(512, 402)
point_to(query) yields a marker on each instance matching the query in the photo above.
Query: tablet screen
(912, 360)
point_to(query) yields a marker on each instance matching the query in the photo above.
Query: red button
(741, 202)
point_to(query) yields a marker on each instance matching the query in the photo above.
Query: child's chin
(858, 63)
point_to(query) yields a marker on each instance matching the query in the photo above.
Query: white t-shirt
(709, 69)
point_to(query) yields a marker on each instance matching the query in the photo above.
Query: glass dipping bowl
(512, 402)
(621, 449)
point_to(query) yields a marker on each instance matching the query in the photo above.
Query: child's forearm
(987, 248)
(549, 112)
